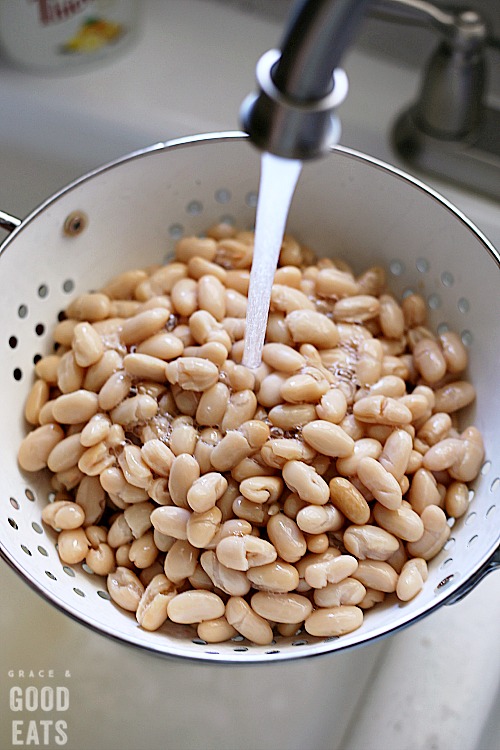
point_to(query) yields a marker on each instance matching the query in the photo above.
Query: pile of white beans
(251, 502)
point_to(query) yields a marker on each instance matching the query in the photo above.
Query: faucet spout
(293, 114)
(449, 131)
(317, 35)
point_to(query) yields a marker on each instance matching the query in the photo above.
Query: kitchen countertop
(434, 686)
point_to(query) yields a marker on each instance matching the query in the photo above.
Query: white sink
(189, 72)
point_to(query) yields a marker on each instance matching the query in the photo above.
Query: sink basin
(177, 81)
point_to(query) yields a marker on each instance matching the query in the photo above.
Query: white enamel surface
(111, 681)
(133, 209)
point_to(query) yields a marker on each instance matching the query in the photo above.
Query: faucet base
(473, 162)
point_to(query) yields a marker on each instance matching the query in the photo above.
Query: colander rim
(321, 649)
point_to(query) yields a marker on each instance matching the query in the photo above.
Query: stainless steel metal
(448, 131)
(294, 117)
(451, 100)
(472, 161)
(282, 126)
(463, 25)
(346, 204)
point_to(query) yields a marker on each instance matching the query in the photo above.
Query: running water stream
(278, 179)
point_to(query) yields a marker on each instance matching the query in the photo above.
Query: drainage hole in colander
(463, 305)
(495, 484)
(50, 575)
(212, 652)
(228, 219)
(222, 195)
(68, 285)
(43, 291)
(79, 592)
(485, 468)
(39, 329)
(451, 522)
(409, 290)
(36, 358)
(422, 265)
(447, 562)
(51, 496)
(236, 638)
(169, 257)
(274, 651)
(396, 267)
(330, 639)
(434, 301)
(442, 328)
(69, 571)
(88, 570)
(22, 311)
(447, 279)
(29, 494)
(467, 338)
(17, 373)
(13, 342)
(104, 595)
(491, 511)
(36, 527)
(470, 518)
(199, 641)
(14, 503)
(13, 523)
(251, 199)
(302, 642)
(450, 543)
(175, 231)
(42, 550)
(26, 550)
(238, 648)
(472, 540)
(194, 208)
(445, 582)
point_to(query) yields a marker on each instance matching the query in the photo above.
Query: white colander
(129, 214)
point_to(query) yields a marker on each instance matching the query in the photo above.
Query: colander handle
(493, 563)
(8, 222)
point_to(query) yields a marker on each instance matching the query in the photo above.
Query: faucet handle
(449, 131)
(462, 26)
(451, 100)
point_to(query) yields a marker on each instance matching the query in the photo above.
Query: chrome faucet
(448, 131)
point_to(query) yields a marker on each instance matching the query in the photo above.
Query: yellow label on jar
(61, 34)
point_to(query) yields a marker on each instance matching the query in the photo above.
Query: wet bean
(349, 501)
(348, 591)
(125, 588)
(306, 482)
(370, 542)
(242, 617)
(152, 610)
(334, 621)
